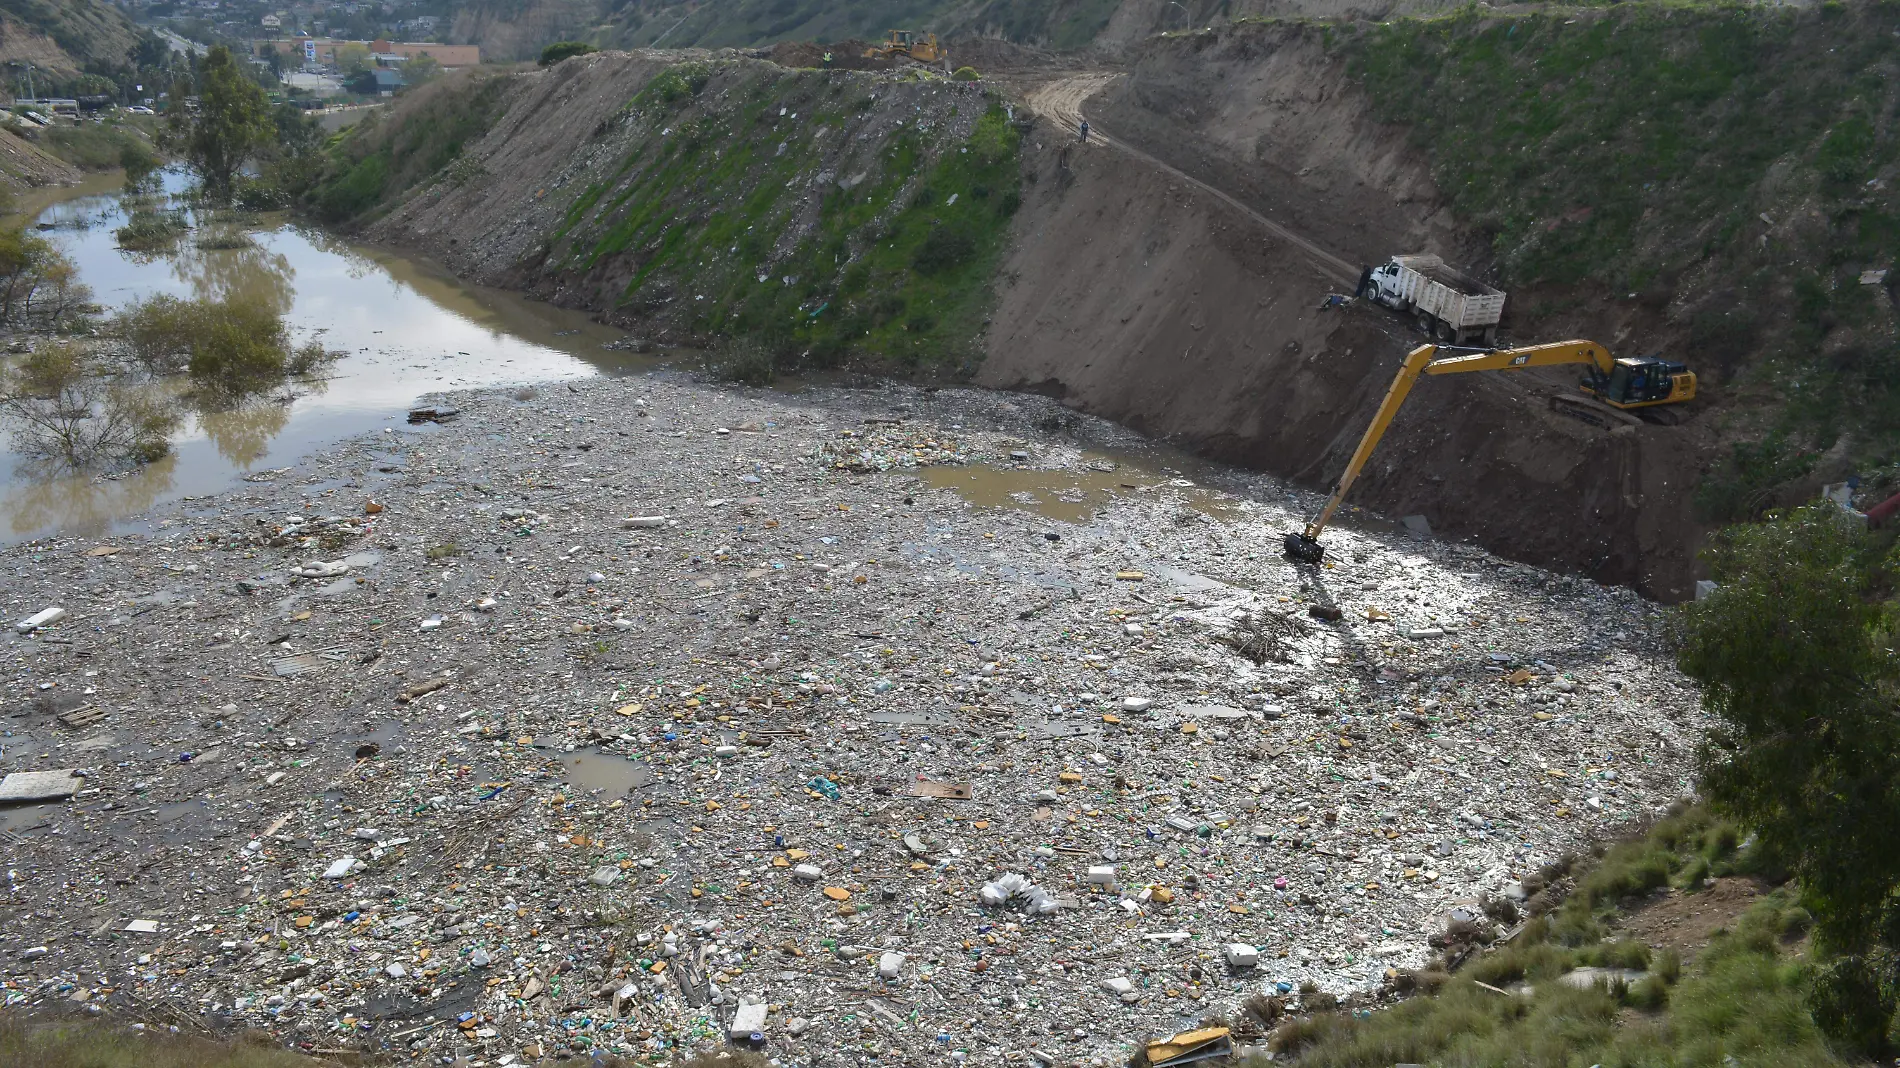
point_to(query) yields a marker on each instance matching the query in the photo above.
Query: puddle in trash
(388, 732)
(184, 821)
(22, 818)
(913, 719)
(178, 810)
(1071, 495)
(614, 775)
(1063, 728)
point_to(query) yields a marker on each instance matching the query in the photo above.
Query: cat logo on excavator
(920, 47)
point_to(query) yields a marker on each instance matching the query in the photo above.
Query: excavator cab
(1640, 381)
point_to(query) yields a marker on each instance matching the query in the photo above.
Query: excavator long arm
(1305, 546)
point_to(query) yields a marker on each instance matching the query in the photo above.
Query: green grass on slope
(1055, 23)
(92, 146)
(94, 33)
(897, 268)
(1740, 1002)
(398, 147)
(1617, 146)
(1734, 165)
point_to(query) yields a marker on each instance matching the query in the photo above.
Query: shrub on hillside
(946, 248)
(561, 50)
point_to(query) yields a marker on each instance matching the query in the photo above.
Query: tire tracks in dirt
(1062, 101)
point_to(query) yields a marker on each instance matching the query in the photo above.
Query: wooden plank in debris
(427, 686)
(951, 791)
(83, 716)
(285, 667)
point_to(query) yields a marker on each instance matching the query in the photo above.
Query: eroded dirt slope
(519, 180)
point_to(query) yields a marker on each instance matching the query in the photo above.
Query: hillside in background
(1726, 173)
(818, 215)
(519, 28)
(66, 36)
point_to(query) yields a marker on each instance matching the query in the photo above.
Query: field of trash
(632, 715)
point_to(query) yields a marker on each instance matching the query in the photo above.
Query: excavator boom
(1305, 546)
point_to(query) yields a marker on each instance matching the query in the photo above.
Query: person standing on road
(1085, 131)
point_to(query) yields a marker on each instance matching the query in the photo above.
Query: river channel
(406, 328)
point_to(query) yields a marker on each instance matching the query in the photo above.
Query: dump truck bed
(1448, 293)
(1446, 275)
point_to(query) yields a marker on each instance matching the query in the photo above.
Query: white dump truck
(1448, 304)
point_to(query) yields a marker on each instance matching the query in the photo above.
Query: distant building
(449, 56)
(387, 81)
(314, 84)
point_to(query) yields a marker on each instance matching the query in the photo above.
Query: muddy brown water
(407, 329)
(614, 775)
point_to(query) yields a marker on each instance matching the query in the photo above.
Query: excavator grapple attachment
(1303, 549)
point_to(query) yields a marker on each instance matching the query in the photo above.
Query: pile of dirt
(24, 164)
(994, 55)
(845, 55)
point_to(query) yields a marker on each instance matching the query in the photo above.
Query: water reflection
(406, 328)
(242, 433)
(44, 496)
(254, 272)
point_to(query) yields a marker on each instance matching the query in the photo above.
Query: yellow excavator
(1622, 384)
(923, 48)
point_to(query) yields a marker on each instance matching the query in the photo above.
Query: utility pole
(1187, 17)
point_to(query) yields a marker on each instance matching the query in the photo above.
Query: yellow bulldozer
(918, 47)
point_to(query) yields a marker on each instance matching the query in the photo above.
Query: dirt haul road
(1062, 100)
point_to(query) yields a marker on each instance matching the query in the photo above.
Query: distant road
(180, 44)
(334, 119)
(1062, 100)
